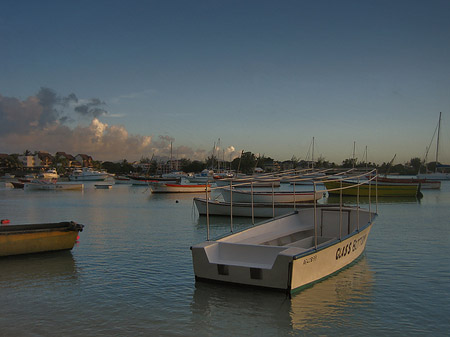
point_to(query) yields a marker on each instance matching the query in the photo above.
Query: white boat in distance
(179, 188)
(49, 174)
(88, 174)
(258, 210)
(205, 176)
(286, 253)
(269, 196)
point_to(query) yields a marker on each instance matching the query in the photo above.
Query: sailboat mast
(312, 156)
(437, 142)
(354, 145)
(171, 169)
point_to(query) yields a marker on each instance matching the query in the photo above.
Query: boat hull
(284, 253)
(247, 183)
(270, 210)
(434, 176)
(380, 189)
(176, 188)
(268, 197)
(242, 209)
(317, 265)
(147, 182)
(28, 239)
(425, 184)
(100, 177)
(52, 186)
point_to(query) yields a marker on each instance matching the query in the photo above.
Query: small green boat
(350, 188)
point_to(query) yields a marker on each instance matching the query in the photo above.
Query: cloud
(45, 122)
(92, 108)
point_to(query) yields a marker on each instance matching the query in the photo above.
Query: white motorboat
(49, 174)
(88, 174)
(269, 196)
(289, 252)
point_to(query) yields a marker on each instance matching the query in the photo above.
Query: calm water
(131, 273)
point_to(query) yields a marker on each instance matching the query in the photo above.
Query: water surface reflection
(273, 313)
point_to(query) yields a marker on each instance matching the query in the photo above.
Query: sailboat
(436, 175)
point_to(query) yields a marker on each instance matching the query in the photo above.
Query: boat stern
(246, 264)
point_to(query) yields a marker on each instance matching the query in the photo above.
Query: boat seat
(277, 238)
(308, 242)
(243, 255)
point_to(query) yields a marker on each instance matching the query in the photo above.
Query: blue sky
(263, 76)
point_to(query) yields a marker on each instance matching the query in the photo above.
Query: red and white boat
(180, 188)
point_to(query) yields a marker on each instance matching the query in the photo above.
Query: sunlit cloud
(45, 122)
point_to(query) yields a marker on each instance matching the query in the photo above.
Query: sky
(125, 79)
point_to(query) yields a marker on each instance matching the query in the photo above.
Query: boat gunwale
(67, 226)
(328, 244)
(277, 193)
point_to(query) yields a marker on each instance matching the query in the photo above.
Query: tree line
(246, 163)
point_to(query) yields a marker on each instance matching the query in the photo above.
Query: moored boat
(49, 174)
(88, 174)
(425, 184)
(149, 180)
(434, 176)
(286, 253)
(364, 189)
(38, 184)
(257, 210)
(17, 184)
(248, 182)
(269, 196)
(206, 176)
(441, 171)
(37, 238)
(180, 188)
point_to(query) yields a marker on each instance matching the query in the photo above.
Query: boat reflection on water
(38, 268)
(241, 307)
(330, 299)
(327, 300)
(220, 225)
